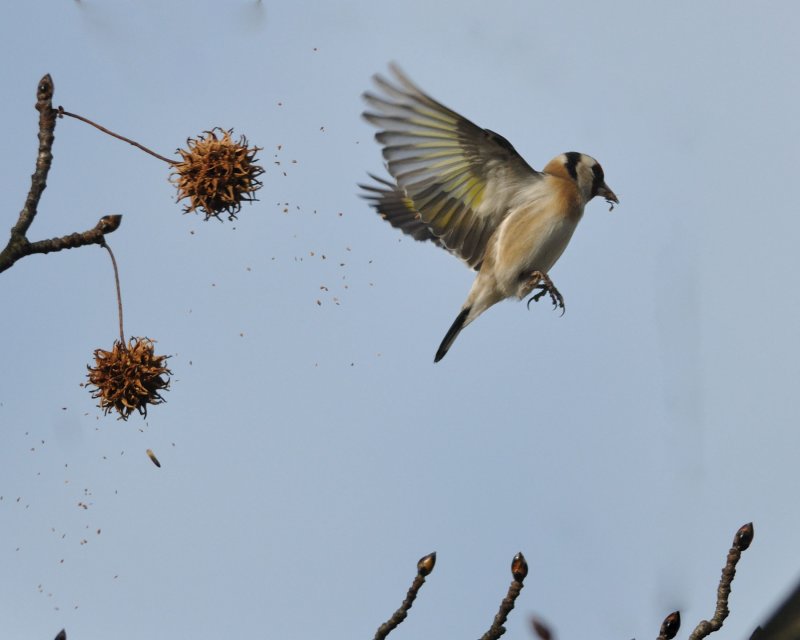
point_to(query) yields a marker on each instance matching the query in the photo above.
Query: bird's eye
(599, 179)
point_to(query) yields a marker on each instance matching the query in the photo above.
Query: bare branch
(47, 126)
(18, 244)
(741, 541)
(22, 247)
(424, 567)
(519, 569)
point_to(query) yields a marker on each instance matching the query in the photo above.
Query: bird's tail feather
(452, 333)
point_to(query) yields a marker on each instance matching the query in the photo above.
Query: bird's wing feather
(461, 178)
(394, 206)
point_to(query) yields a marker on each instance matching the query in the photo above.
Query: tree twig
(741, 541)
(18, 244)
(519, 569)
(44, 158)
(424, 567)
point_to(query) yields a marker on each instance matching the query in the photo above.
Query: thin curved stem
(119, 292)
(61, 112)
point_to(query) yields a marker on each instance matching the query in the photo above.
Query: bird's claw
(542, 281)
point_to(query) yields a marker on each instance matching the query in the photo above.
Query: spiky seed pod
(128, 378)
(216, 173)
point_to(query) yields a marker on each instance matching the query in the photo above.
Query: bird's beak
(608, 194)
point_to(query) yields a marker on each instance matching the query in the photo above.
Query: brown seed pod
(129, 377)
(216, 173)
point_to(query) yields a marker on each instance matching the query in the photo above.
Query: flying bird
(467, 190)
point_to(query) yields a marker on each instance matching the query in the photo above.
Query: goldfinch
(467, 190)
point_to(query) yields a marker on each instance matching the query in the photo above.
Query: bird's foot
(542, 281)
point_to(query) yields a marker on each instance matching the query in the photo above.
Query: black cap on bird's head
(588, 173)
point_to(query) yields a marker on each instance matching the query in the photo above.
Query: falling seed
(153, 458)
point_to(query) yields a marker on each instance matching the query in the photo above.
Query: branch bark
(18, 244)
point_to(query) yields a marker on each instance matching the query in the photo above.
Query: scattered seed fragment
(152, 456)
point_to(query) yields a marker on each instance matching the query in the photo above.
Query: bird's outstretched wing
(394, 206)
(461, 178)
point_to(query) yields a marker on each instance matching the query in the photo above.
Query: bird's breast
(534, 235)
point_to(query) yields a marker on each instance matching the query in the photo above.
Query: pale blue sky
(318, 452)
